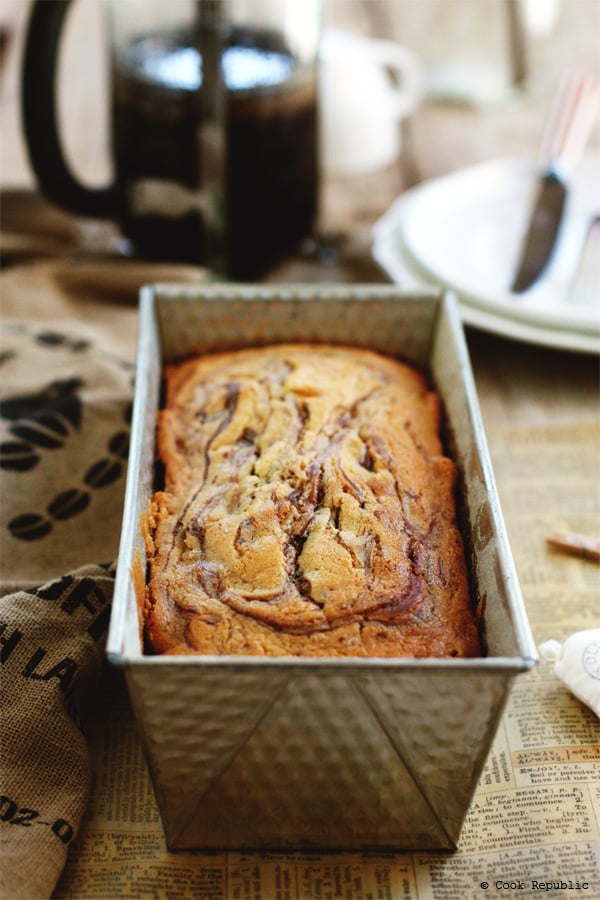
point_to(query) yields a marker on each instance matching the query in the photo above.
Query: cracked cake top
(308, 510)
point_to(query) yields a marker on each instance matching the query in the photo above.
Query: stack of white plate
(464, 232)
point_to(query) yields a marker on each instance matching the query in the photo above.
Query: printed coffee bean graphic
(29, 527)
(17, 456)
(32, 527)
(59, 397)
(55, 339)
(119, 445)
(50, 339)
(7, 355)
(43, 419)
(47, 430)
(20, 456)
(103, 473)
(68, 504)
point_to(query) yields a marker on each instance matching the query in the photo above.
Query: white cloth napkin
(577, 664)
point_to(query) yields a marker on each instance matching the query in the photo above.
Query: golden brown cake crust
(308, 510)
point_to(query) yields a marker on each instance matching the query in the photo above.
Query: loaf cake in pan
(298, 500)
(308, 510)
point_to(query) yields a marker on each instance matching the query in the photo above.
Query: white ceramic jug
(367, 86)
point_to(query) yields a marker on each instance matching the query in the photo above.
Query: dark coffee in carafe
(213, 127)
(270, 147)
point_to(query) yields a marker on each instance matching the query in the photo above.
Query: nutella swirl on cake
(308, 510)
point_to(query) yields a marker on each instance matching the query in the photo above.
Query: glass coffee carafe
(214, 127)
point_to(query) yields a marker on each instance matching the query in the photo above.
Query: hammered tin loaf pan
(259, 753)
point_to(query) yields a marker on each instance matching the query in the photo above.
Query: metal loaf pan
(249, 752)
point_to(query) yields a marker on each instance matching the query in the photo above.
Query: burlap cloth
(66, 370)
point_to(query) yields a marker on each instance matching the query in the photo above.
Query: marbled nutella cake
(308, 510)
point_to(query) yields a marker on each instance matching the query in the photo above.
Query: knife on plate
(565, 136)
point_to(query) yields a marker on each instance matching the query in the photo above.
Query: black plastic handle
(39, 116)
